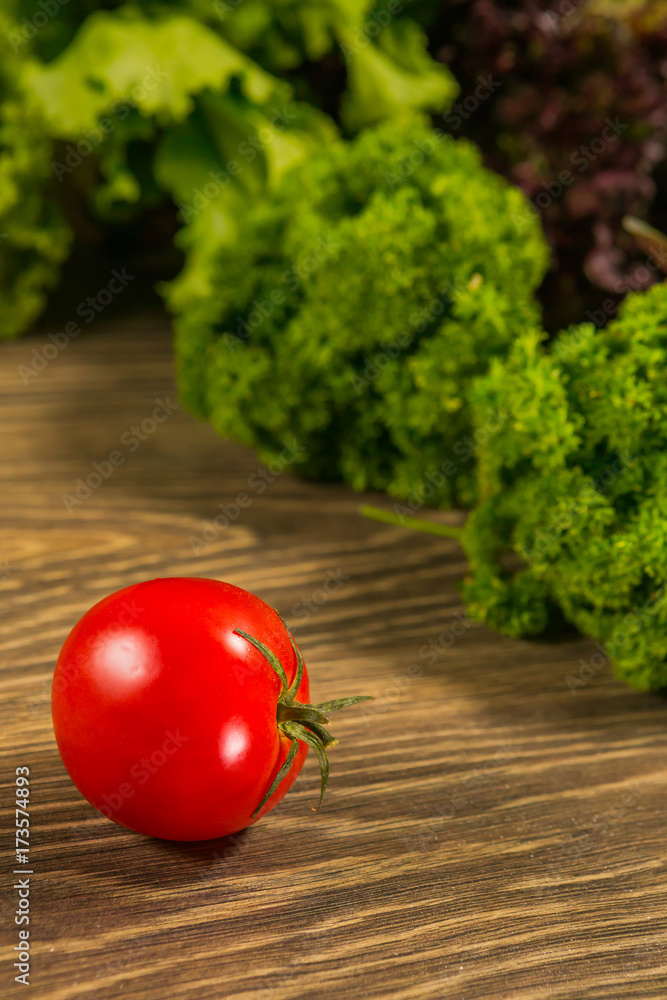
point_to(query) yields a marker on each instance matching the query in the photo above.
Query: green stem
(299, 713)
(338, 703)
(282, 773)
(299, 722)
(296, 683)
(270, 656)
(417, 523)
(301, 733)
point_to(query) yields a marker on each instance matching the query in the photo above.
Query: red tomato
(172, 714)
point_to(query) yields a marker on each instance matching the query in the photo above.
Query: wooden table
(487, 833)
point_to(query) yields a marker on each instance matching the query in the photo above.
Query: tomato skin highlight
(165, 718)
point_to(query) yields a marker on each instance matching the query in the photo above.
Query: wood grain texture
(487, 833)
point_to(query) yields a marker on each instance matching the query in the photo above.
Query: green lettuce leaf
(34, 239)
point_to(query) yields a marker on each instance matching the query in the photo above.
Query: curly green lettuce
(355, 307)
(572, 518)
(33, 236)
(190, 100)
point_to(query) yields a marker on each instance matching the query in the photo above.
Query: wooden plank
(487, 833)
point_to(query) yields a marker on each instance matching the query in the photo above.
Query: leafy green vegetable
(33, 237)
(392, 77)
(219, 162)
(155, 64)
(192, 91)
(355, 307)
(125, 77)
(573, 502)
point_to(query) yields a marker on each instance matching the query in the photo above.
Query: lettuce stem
(418, 524)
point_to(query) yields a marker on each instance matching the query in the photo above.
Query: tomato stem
(270, 656)
(298, 721)
(282, 773)
(299, 713)
(307, 736)
(296, 683)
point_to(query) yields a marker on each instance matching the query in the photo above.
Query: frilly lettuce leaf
(33, 237)
(154, 64)
(188, 92)
(392, 77)
(217, 164)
